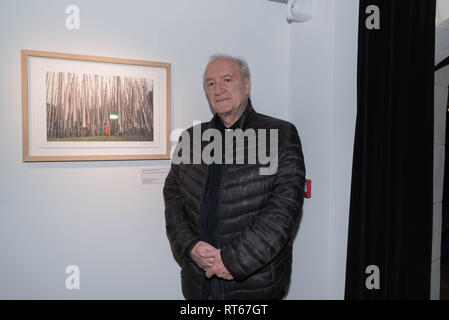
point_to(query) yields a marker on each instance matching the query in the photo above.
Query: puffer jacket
(257, 214)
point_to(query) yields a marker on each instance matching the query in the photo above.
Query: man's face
(226, 91)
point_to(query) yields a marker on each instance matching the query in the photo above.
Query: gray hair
(244, 68)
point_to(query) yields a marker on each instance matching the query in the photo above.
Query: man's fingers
(207, 261)
(209, 273)
(213, 265)
(219, 273)
(211, 253)
(207, 264)
(202, 246)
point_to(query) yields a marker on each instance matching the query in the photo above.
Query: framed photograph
(78, 107)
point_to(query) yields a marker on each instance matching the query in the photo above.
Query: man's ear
(247, 85)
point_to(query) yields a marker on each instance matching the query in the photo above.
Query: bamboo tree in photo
(91, 107)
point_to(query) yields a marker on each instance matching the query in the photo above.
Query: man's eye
(228, 79)
(209, 84)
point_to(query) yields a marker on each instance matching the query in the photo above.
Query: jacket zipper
(202, 193)
(219, 221)
(200, 224)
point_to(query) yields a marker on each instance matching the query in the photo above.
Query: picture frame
(87, 108)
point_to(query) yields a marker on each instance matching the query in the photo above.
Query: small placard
(154, 175)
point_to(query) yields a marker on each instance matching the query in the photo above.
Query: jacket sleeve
(179, 227)
(264, 239)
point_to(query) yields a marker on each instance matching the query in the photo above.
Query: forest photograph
(92, 107)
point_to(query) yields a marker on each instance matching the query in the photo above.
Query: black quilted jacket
(257, 216)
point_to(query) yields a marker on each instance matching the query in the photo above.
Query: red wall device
(308, 189)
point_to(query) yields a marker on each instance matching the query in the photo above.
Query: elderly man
(230, 222)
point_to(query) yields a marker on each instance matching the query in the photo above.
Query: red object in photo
(308, 189)
(107, 131)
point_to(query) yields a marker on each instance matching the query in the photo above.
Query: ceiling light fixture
(301, 10)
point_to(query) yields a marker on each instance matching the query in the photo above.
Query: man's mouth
(221, 99)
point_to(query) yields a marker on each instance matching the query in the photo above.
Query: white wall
(344, 110)
(442, 10)
(323, 107)
(98, 215)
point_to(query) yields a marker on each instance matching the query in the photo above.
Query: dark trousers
(212, 289)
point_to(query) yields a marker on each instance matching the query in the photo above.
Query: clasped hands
(208, 258)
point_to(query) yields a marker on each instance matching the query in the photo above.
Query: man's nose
(218, 88)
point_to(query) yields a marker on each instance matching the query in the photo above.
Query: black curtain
(390, 221)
